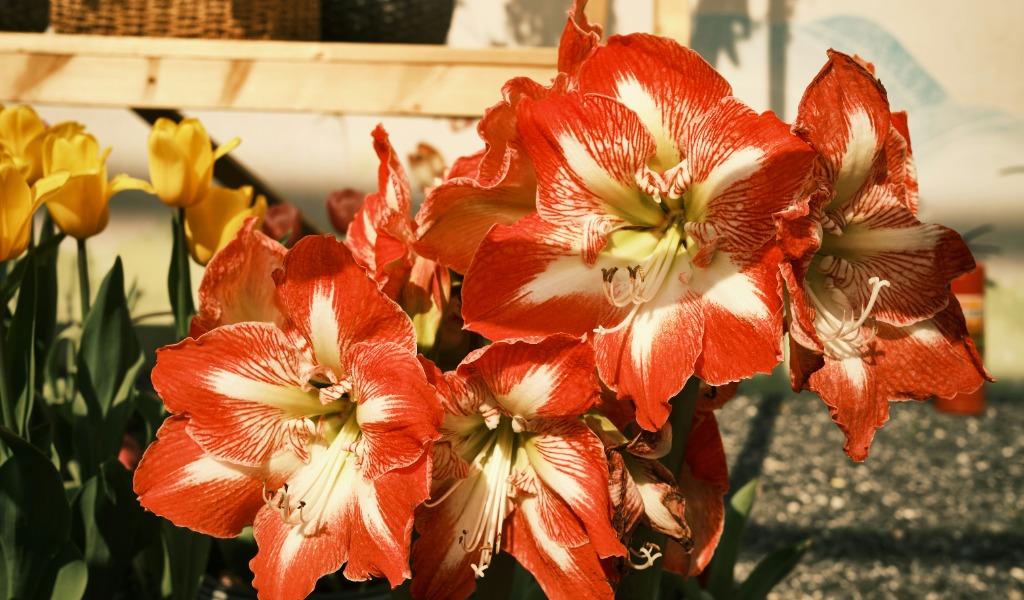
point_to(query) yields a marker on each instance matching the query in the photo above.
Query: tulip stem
(179, 278)
(6, 399)
(83, 278)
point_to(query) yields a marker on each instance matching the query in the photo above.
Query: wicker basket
(23, 15)
(391, 21)
(221, 19)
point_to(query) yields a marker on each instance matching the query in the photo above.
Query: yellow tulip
(213, 222)
(80, 208)
(181, 161)
(21, 132)
(18, 202)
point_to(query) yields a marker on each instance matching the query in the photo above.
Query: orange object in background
(969, 289)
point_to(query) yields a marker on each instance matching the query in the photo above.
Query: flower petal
(530, 280)
(742, 309)
(650, 358)
(844, 115)
(457, 214)
(883, 239)
(563, 573)
(367, 524)
(397, 411)
(241, 387)
(665, 84)
(744, 168)
(570, 460)
(181, 482)
(331, 300)
(441, 565)
(703, 482)
(553, 378)
(934, 357)
(238, 284)
(587, 151)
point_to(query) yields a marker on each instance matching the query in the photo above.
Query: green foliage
(179, 279)
(35, 526)
(720, 581)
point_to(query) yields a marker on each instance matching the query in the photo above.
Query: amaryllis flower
(517, 471)
(497, 185)
(238, 284)
(653, 233)
(318, 434)
(381, 238)
(872, 318)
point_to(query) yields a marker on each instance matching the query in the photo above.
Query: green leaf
(179, 278)
(185, 556)
(35, 519)
(720, 583)
(21, 344)
(67, 577)
(108, 514)
(44, 251)
(771, 570)
(109, 360)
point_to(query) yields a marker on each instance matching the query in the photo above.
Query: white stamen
(644, 279)
(649, 552)
(485, 532)
(844, 331)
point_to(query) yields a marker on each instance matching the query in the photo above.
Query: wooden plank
(673, 18)
(275, 76)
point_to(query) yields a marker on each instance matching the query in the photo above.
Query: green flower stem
(646, 584)
(180, 283)
(6, 397)
(83, 278)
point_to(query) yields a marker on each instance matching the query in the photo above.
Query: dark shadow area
(750, 460)
(928, 545)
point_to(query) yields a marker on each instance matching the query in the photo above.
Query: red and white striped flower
(653, 233)
(498, 185)
(381, 240)
(872, 318)
(238, 283)
(516, 470)
(319, 434)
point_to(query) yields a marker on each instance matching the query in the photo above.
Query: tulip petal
(170, 170)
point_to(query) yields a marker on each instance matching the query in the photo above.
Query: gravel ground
(936, 511)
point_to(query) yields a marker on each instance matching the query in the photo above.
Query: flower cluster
(629, 231)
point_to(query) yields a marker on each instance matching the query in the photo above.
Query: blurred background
(937, 511)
